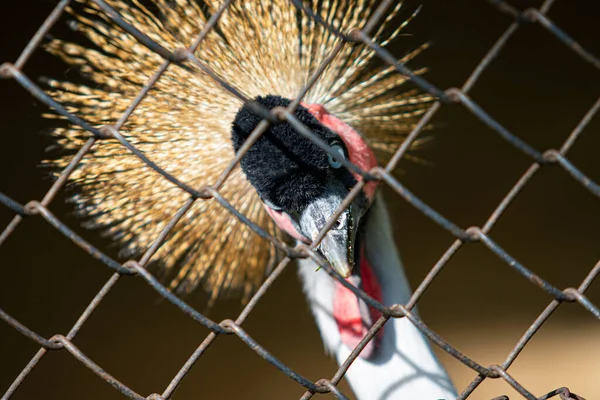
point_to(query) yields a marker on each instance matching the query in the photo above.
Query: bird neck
(404, 366)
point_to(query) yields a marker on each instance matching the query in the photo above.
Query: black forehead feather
(284, 167)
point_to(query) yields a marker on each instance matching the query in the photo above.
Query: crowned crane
(190, 126)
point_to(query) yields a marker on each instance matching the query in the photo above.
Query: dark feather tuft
(284, 167)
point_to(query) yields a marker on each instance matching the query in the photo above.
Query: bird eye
(336, 148)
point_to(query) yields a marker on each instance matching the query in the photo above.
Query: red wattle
(347, 313)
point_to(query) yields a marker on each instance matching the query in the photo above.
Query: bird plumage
(190, 126)
(184, 124)
(403, 366)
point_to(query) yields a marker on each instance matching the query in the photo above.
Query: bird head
(300, 184)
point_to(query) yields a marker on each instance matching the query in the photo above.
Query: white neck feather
(404, 368)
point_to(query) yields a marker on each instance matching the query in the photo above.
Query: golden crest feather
(261, 47)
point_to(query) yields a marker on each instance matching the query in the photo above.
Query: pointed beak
(338, 244)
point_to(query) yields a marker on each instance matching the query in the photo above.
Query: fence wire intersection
(182, 57)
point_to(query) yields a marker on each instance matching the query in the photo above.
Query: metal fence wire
(463, 236)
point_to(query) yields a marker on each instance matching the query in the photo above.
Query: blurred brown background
(537, 88)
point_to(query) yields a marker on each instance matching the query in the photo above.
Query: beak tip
(345, 271)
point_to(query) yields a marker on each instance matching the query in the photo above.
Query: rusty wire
(361, 35)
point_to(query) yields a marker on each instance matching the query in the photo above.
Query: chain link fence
(463, 236)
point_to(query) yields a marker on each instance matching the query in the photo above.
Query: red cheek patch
(352, 315)
(359, 153)
(284, 222)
